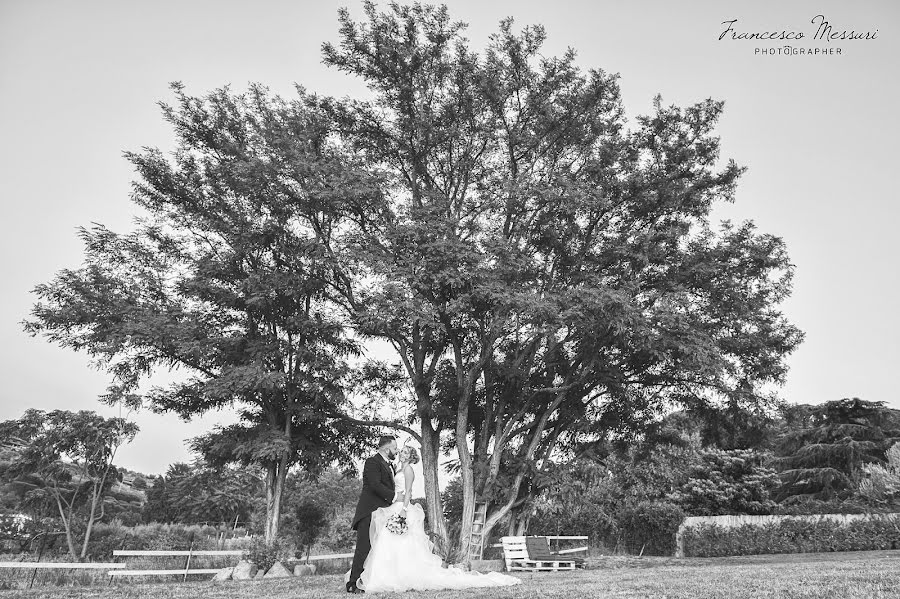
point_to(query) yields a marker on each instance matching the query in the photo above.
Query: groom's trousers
(363, 544)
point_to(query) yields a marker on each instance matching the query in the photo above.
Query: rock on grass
(278, 571)
(244, 570)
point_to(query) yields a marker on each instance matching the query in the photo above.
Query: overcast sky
(79, 83)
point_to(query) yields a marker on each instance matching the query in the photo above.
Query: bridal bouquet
(397, 524)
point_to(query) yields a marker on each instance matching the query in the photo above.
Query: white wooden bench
(517, 556)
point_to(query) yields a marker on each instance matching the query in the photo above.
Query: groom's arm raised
(371, 477)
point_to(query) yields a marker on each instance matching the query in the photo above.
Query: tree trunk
(90, 523)
(467, 480)
(67, 524)
(522, 525)
(433, 504)
(513, 489)
(275, 477)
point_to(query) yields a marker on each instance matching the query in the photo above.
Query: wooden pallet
(516, 556)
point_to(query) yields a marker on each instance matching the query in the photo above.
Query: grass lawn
(864, 574)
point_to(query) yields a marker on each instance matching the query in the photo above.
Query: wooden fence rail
(184, 572)
(116, 569)
(134, 553)
(180, 572)
(61, 565)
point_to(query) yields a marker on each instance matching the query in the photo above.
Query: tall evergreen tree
(822, 448)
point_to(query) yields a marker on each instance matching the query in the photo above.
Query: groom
(377, 491)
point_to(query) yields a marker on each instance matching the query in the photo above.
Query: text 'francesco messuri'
(824, 32)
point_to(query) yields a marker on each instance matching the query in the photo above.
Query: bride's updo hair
(409, 454)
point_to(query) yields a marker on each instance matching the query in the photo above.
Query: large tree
(71, 454)
(223, 280)
(545, 275)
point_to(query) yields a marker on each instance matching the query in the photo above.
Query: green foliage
(549, 277)
(654, 472)
(214, 494)
(794, 535)
(227, 278)
(605, 499)
(565, 265)
(452, 501)
(729, 426)
(265, 554)
(67, 459)
(334, 493)
(823, 448)
(17, 531)
(196, 493)
(582, 499)
(880, 484)
(310, 519)
(608, 500)
(728, 482)
(649, 527)
(157, 508)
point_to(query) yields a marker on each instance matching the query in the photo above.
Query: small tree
(73, 454)
(310, 520)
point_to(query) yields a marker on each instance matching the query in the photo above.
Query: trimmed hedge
(792, 536)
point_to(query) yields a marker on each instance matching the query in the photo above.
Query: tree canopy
(547, 274)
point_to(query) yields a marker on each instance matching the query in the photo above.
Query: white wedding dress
(406, 562)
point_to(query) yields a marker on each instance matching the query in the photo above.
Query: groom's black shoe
(351, 588)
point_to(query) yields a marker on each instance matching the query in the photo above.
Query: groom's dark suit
(377, 491)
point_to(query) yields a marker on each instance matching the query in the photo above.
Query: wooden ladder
(476, 537)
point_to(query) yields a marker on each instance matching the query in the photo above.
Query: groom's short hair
(385, 439)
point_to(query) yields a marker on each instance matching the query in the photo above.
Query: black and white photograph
(573, 300)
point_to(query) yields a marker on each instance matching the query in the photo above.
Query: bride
(402, 562)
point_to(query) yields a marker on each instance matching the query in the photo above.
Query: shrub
(880, 484)
(264, 555)
(105, 539)
(728, 482)
(129, 518)
(792, 535)
(650, 526)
